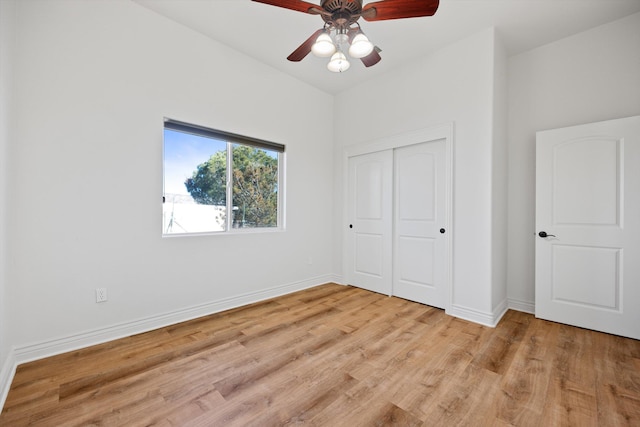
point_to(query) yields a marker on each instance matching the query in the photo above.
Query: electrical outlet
(101, 294)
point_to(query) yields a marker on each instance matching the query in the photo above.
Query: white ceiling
(269, 34)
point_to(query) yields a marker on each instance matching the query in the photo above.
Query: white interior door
(419, 223)
(588, 204)
(370, 221)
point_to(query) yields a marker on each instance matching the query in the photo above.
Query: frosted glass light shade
(360, 46)
(323, 47)
(338, 63)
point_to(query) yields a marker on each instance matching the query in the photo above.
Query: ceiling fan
(341, 31)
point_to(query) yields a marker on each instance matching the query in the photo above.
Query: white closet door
(588, 225)
(419, 223)
(370, 221)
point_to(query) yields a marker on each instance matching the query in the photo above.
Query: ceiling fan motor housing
(343, 13)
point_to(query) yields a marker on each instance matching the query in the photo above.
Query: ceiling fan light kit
(360, 46)
(338, 63)
(323, 47)
(340, 17)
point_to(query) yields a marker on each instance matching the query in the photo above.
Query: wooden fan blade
(299, 5)
(399, 9)
(373, 58)
(304, 49)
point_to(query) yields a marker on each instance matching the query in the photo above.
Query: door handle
(544, 234)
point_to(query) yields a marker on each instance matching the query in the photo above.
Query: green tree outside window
(254, 185)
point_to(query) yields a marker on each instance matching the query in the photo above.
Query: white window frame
(231, 139)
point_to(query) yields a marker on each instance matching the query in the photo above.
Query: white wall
(589, 77)
(455, 84)
(93, 81)
(7, 9)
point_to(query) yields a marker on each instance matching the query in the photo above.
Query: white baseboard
(40, 350)
(6, 376)
(524, 306)
(477, 316)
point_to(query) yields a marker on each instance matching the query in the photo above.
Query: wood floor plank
(465, 403)
(336, 355)
(431, 362)
(571, 398)
(618, 376)
(304, 399)
(525, 384)
(503, 343)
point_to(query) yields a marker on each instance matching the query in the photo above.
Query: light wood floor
(337, 356)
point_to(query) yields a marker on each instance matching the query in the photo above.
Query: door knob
(544, 234)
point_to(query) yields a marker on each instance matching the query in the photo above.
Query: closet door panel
(419, 213)
(370, 221)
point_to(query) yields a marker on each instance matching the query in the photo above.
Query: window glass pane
(255, 187)
(195, 170)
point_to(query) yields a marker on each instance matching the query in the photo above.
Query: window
(216, 181)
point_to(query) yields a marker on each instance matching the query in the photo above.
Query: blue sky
(182, 155)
